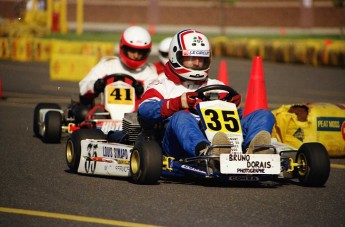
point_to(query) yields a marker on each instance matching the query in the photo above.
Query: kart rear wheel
(146, 162)
(52, 127)
(314, 165)
(39, 107)
(73, 146)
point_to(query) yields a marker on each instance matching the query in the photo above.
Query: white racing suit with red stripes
(182, 133)
(111, 65)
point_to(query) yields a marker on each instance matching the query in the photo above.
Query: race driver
(168, 98)
(163, 52)
(135, 47)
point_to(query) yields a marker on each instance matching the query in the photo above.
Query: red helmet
(135, 39)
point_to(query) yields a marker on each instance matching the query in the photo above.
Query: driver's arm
(86, 85)
(155, 107)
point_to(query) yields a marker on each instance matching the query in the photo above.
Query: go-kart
(142, 159)
(51, 122)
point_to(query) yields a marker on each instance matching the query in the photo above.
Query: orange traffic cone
(223, 73)
(152, 29)
(256, 93)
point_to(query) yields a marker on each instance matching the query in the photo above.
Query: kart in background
(51, 122)
(142, 159)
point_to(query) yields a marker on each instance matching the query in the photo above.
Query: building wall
(243, 13)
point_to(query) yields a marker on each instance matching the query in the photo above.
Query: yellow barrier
(4, 49)
(306, 51)
(255, 48)
(66, 47)
(335, 54)
(41, 49)
(71, 67)
(21, 46)
(21, 49)
(98, 49)
(219, 44)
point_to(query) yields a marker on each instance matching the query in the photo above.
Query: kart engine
(131, 126)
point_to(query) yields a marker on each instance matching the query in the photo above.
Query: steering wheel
(138, 87)
(203, 97)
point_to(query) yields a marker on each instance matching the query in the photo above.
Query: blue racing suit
(183, 132)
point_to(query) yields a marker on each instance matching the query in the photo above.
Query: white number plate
(237, 163)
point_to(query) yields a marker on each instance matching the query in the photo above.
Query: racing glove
(233, 97)
(236, 100)
(99, 86)
(186, 100)
(138, 88)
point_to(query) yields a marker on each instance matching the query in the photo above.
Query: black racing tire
(36, 119)
(52, 127)
(73, 146)
(314, 165)
(146, 162)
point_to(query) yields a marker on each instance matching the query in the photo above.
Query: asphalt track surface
(38, 190)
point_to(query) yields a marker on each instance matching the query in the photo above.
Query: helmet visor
(135, 53)
(164, 54)
(193, 62)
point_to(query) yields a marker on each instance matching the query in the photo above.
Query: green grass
(112, 37)
(324, 36)
(98, 36)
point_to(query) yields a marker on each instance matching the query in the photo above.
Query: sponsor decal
(244, 178)
(90, 165)
(196, 53)
(192, 169)
(330, 124)
(250, 163)
(246, 170)
(110, 152)
(120, 153)
(107, 126)
(239, 157)
(122, 161)
(299, 134)
(198, 40)
(252, 166)
(124, 169)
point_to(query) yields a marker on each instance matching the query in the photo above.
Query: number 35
(219, 120)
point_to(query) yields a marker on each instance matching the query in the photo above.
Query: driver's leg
(254, 123)
(183, 134)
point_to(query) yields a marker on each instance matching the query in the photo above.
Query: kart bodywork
(142, 159)
(51, 122)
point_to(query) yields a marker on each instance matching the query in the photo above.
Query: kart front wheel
(38, 108)
(146, 162)
(313, 164)
(52, 127)
(73, 145)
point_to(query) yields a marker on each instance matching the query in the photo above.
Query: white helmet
(189, 42)
(137, 38)
(163, 50)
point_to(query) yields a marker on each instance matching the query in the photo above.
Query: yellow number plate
(221, 120)
(122, 96)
